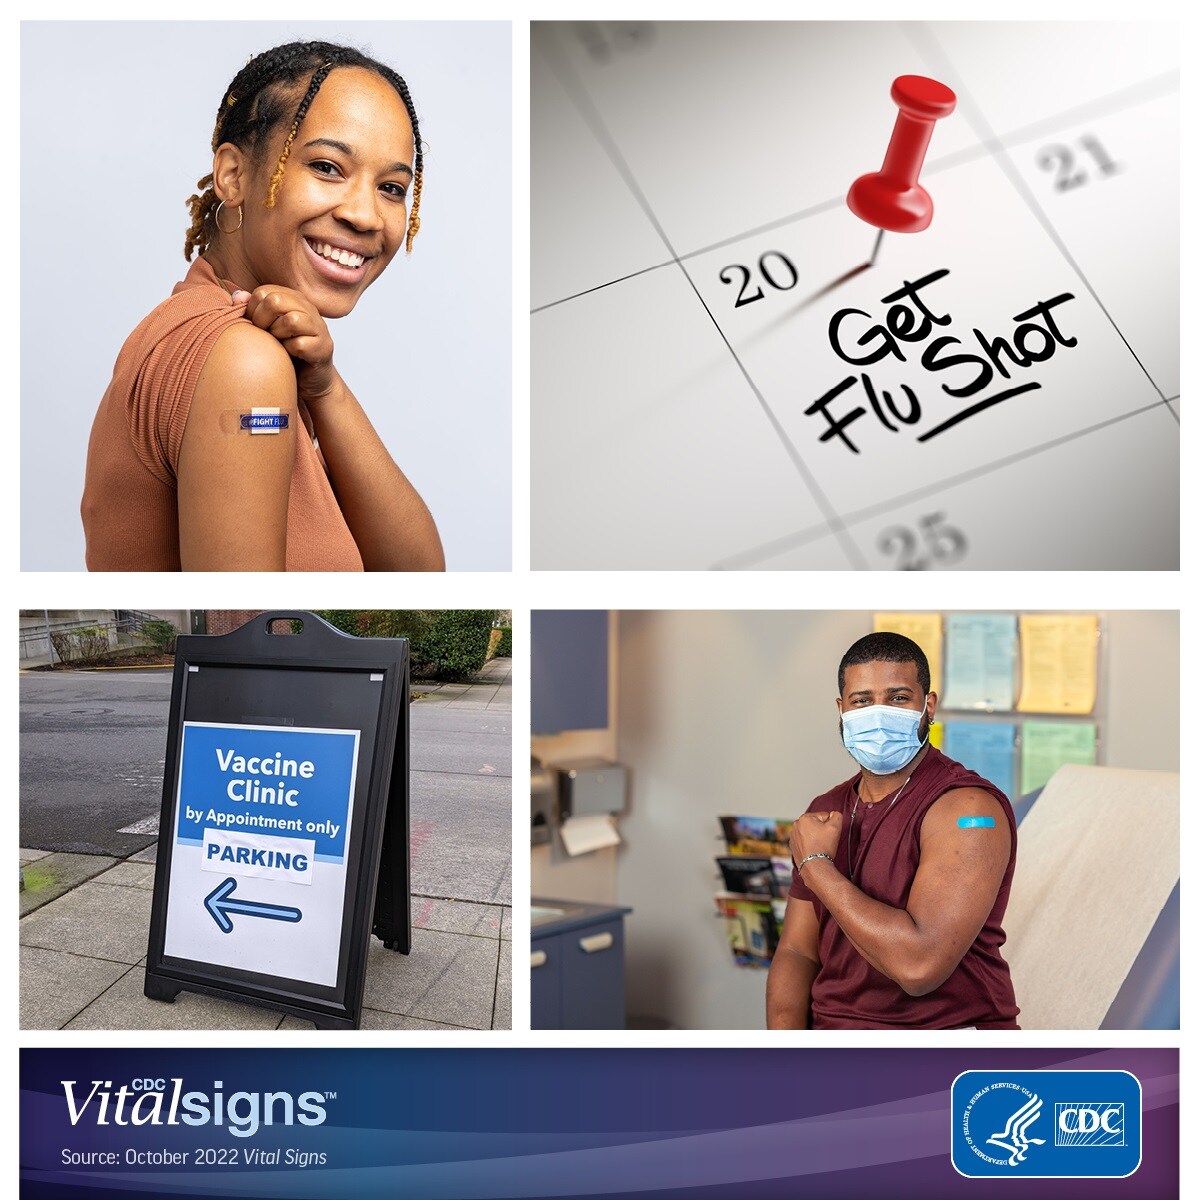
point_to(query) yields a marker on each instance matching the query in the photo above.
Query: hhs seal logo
(1046, 1124)
(1013, 1141)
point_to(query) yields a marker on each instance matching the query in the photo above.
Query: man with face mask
(901, 873)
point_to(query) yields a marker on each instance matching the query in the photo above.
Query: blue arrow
(220, 906)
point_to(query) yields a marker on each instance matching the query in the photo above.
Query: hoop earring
(217, 219)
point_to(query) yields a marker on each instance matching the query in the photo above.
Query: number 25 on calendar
(932, 544)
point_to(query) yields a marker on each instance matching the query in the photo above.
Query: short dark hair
(885, 647)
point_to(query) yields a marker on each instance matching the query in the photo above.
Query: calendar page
(721, 381)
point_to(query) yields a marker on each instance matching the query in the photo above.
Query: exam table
(1091, 946)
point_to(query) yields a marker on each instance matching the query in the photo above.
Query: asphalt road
(92, 747)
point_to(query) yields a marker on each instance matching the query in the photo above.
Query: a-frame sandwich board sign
(283, 840)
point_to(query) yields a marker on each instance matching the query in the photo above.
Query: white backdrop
(116, 122)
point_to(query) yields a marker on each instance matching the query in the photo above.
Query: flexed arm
(955, 887)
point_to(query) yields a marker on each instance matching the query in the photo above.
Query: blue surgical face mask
(883, 738)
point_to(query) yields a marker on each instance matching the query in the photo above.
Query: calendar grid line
(1102, 106)
(1162, 85)
(813, 210)
(814, 532)
(834, 521)
(983, 130)
(600, 286)
(1018, 152)
(591, 116)
(595, 122)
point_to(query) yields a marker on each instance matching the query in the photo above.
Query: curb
(91, 670)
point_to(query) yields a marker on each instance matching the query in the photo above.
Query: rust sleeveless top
(848, 993)
(129, 509)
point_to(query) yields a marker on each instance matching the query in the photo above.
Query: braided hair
(257, 103)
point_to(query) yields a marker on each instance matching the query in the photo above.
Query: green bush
(402, 622)
(64, 647)
(443, 643)
(161, 635)
(455, 645)
(84, 645)
(405, 623)
(345, 619)
(504, 648)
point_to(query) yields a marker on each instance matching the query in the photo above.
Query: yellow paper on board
(923, 628)
(1058, 663)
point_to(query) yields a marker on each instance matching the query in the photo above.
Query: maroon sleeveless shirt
(848, 993)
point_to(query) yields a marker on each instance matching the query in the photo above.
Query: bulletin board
(716, 377)
(1019, 694)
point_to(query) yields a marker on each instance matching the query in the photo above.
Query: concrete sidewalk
(85, 918)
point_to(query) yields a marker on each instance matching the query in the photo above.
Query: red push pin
(891, 198)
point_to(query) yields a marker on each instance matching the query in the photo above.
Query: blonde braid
(414, 220)
(313, 87)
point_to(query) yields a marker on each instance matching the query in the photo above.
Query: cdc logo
(1084, 1124)
(1046, 1124)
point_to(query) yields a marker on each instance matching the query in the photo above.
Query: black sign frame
(378, 881)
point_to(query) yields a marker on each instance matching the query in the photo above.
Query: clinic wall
(719, 713)
(554, 874)
(734, 713)
(1140, 690)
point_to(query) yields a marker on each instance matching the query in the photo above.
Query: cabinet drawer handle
(537, 959)
(597, 942)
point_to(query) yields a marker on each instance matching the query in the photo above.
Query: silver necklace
(850, 831)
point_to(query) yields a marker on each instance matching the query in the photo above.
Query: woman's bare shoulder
(248, 364)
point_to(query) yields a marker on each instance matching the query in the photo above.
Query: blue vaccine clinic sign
(262, 819)
(293, 783)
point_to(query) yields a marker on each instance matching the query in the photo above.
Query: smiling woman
(228, 439)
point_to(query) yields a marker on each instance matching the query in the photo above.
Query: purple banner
(449, 1124)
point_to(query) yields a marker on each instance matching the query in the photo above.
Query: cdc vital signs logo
(1046, 1124)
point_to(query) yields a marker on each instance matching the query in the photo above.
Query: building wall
(226, 620)
(181, 618)
(33, 644)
